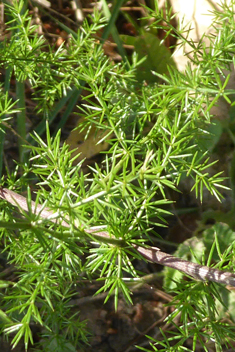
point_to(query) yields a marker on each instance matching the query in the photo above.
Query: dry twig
(153, 254)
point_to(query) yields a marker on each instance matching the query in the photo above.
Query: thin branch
(197, 271)
(153, 254)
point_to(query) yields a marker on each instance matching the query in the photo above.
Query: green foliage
(154, 133)
(156, 56)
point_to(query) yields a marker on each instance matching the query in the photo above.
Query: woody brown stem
(153, 254)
